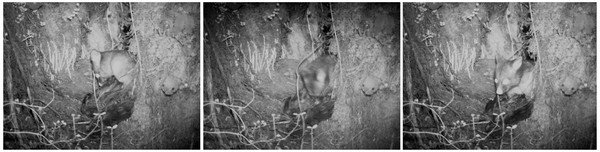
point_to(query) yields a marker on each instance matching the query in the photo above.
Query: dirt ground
(252, 51)
(449, 59)
(48, 72)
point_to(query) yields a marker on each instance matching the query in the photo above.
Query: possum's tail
(511, 117)
(519, 115)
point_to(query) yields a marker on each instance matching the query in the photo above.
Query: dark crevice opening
(526, 34)
(125, 23)
(326, 30)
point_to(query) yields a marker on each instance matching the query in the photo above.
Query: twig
(53, 92)
(488, 134)
(274, 127)
(337, 41)
(434, 111)
(473, 120)
(323, 133)
(109, 30)
(90, 133)
(312, 128)
(511, 137)
(451, 100)
(537, 43)
(440, 135)
(139, 53)
(112, 138)
(35, 113)
(15, 122)
(239, 135)
(101, 131)
(436, 115)
(253, 96)
(297, 74)
(39, 135)
(215, 122)
(352, 139)
(231, 101)
(94, 84)
(160, 132)
(234, 111)
(557, 134)
(409, 87)
(509, 31)
(294, 129)
(74, 125)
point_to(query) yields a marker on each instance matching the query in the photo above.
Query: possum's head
(507, 75)
(168, 91)
(170, 85)
(315, 82)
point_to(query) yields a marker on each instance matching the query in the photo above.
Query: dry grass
(260, 58)
(460, 57)
(61, 57)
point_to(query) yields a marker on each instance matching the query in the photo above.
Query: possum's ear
(95, 57)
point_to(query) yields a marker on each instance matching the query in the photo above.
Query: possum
(316, 75)
(171, 84)
(514, 83)
(514, 76)
(117, 63)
